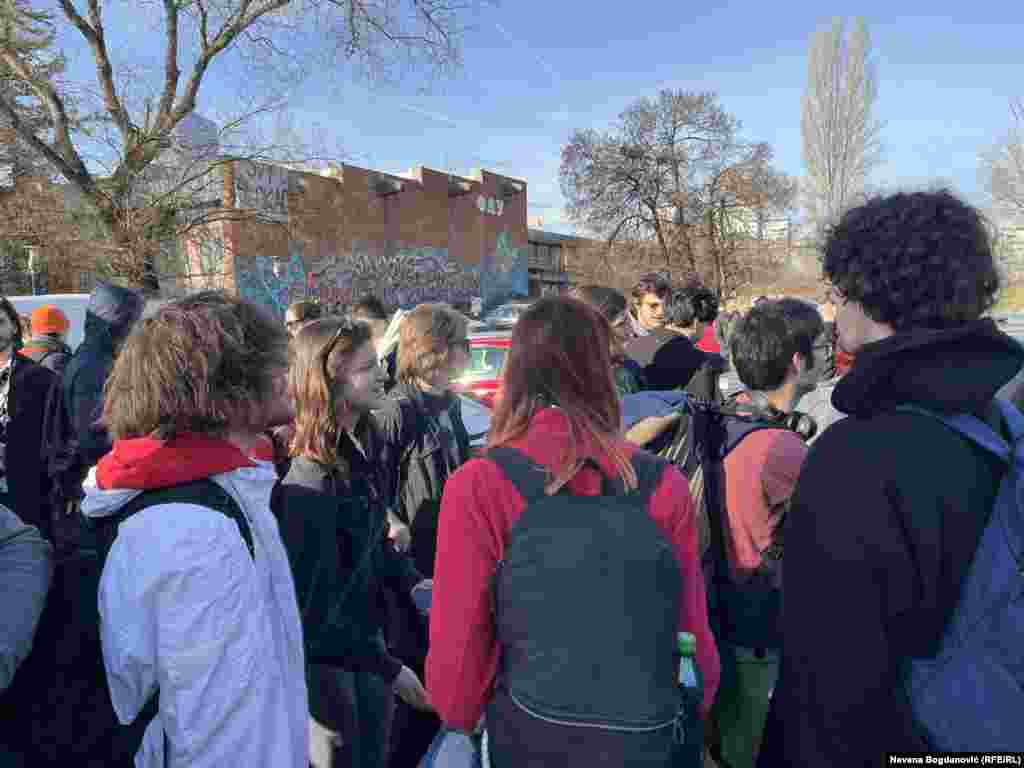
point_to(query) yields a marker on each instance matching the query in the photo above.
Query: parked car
(487, 353)
(477, 418)
(505, 315)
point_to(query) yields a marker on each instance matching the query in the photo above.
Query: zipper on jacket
(675, 721)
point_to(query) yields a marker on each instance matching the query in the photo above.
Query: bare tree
(840, 135)
(674, 174)
(380, 38)
(1003, 167)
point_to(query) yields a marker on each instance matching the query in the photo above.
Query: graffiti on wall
(273, 283)
(401, 275)
(503, 272)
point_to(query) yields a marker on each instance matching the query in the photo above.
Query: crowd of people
(298, 559)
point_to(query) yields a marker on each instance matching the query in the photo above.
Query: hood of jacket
(142, 464)
(112, 311)
(948, 371)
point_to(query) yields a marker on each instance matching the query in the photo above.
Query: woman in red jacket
(560, 416)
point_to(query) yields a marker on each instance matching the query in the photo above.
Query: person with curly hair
(873, 573)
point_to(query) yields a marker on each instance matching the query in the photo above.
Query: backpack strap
(530, 479)
(980, 433)
(204, 493)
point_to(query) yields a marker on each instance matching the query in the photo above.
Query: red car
(487, 353)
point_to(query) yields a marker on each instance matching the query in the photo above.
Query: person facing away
(24, 386)
(47, 346)
(613, 307)
(110, 315)
(186, 608)
(778, 352)
(873, 574)
(557, 425)
(332, 509)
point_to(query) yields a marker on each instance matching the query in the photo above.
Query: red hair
(561, 356)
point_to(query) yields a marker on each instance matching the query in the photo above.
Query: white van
(71, 304)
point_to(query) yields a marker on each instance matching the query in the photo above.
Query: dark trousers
(350, 718)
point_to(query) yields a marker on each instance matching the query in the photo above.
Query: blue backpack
(970, 696)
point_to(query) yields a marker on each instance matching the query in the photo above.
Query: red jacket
(478, 510)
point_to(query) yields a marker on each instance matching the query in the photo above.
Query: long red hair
(560, 356)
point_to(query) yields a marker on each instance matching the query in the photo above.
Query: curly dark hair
(705, 305)
(914, 260)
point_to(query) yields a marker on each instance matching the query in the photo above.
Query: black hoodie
(112, 312)
(882, 527)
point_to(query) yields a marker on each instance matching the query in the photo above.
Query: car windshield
(485, 362)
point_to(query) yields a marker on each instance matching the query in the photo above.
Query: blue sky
(535, 71)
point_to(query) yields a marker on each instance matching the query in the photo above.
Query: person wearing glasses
(779, 349)
(332, 509)
(424, 442)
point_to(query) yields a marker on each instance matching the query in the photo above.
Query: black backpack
(748, 614)
(58, 710)
(586, 609)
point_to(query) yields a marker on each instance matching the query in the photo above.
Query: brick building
(334, 235)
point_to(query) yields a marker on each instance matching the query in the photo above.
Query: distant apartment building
(546, 262)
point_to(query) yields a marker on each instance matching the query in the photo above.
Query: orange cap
(49, 319)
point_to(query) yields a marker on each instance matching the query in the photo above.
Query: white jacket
(185, 609)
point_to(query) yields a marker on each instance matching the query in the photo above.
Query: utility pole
(32, 266)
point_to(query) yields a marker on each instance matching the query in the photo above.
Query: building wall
(422, 237)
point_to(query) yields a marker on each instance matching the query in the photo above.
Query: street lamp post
(32, 266)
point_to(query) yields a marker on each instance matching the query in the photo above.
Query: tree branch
(171, 71)
(104, 71)
(73, 170)
(47, 94)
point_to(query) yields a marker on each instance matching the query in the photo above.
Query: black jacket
(110, 316)
(882, 527)
(420, 458)
(49, 352)
(336, 537)
(671, 361)
(27, 482)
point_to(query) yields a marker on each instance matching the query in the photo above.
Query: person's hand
(399, 534)
(410, 690)
(422, 595)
